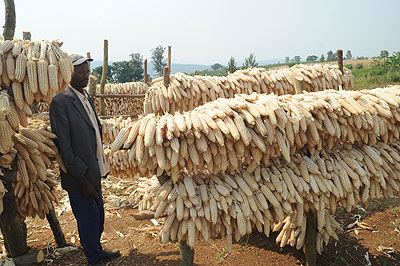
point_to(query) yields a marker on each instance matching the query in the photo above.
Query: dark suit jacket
(76, 140)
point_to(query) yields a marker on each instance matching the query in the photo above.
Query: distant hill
(187, 68)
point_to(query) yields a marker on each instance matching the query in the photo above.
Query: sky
(210, 31)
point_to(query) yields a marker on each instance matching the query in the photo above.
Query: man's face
(80, 77)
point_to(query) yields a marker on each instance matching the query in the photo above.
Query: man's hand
(87, 189)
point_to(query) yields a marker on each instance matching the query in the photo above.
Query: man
(74, 120)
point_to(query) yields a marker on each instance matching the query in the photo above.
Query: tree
(137, 66)
(297, 59)
(250, 61)
(231, 65)
(384, 54)
(311, 58)
(349, 56)
(158, 60)
(322, 58)
(331, 56)
(287, 59)
(217, 66)
(97, 72)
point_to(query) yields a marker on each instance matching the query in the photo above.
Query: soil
(377, 237)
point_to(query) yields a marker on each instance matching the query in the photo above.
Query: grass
(221, 256)
(338, 260)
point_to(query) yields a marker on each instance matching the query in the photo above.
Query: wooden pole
(104, 76)
(56, 228)
(169, 57)
(89, 56)
(9, 25)
(26, 35)
(340, 59)
(13, 230)
(166, 72)
(311, 239)
(145, 71)
(186, 252)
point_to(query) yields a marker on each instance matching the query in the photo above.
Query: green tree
(231, 65)
(217, 66)
(311, 58)
(297, 59)
(331, 56)
(322, 58)
(349, 56)
(158, 60)
(137, 66)
(287, 59)
(250, 61)
(97, 71)
(384, 54)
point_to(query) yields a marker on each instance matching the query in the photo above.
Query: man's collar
(84, 93)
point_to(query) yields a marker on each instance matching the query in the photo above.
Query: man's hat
(77, 59)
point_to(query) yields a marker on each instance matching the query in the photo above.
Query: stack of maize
(112, 127)
(123, 106)
(187, 92)
(275, 197)
(226, 133)
(35, 71)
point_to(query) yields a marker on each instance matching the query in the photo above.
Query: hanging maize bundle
(187, 92)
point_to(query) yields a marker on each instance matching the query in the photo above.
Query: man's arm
(60, 126)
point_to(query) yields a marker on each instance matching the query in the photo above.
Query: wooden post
(13, 230)
(186, 252)
(145, 71)
(299, 85)
(166, 72)
(311, 239)
(340, 59)
(26, 35)
(56, 228)
(9, 24)
(169, 57)
(89, 56)
(104, 76)
(92, 85)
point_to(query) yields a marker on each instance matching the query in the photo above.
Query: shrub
(360, 66)
(349, 66)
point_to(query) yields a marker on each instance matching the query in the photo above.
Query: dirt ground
(375, 242)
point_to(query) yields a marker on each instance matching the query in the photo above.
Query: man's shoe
(99, 263)
(110, 254)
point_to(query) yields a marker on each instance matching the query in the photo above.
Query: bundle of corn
(145, 193)
(112, 127)
(276, 196)
(34, 70)
(223, 134)
(34, 189)
(187, 92)
(123, 106)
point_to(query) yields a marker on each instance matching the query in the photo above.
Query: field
(377, 236)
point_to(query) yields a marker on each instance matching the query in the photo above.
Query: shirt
(101, 158)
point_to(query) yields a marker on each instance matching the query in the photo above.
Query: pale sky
(205, 32)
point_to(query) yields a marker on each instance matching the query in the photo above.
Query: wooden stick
(145, 71)
(311, 239)
(166, 76)
(340, 59)
(32, 257)
(88, 56)
(169, 57)
(13, 230)
(56, 228)
(186, 252)
(9, 25)
(120, 95)
(104, 76)
(26, 35)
